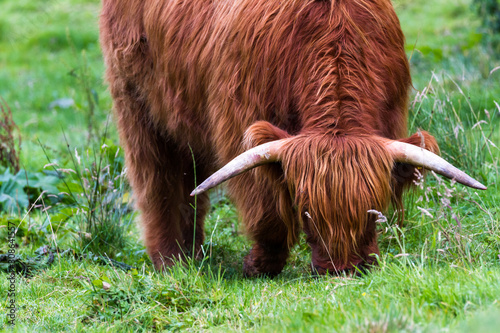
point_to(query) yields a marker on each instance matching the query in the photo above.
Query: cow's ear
(262, 132)
(423, 139)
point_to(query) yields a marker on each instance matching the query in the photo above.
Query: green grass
(45, 46)
(439, 272)
(418, 298)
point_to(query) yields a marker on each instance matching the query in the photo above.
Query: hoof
(261, 268)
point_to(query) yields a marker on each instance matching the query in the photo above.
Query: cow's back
(208, 69)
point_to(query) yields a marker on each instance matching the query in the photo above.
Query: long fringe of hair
(336, 178)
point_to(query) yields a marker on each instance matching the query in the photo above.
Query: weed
(9, 149)
(102, 197)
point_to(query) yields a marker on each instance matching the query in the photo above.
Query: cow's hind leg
(161, 174)
(168, 212)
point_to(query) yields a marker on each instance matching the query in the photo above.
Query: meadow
(80, 263)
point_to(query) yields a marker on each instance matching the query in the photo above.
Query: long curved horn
(259, 155)
(408, 153)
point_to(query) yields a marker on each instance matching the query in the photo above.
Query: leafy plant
(18, 190)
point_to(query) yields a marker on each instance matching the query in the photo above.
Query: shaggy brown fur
(222, 76)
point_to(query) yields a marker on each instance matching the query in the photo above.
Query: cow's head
(334, 176)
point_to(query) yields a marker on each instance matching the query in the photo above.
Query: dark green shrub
(489, 12)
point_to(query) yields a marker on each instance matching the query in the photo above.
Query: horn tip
(197, 191)
(480, 186)
(471, 182)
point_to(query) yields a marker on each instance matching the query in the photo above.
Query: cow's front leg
(265, 259)
(267, 213)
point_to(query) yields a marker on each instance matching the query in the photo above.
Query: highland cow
(303, 102)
